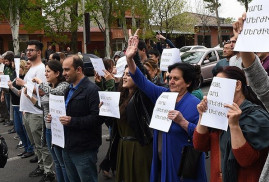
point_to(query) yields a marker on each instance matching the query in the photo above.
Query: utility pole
(84, 28)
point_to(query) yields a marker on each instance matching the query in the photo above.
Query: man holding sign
(82, 126)
(256, 75)
(239, 154)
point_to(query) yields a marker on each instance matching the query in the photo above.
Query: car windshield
(192, 57)
(185, 49)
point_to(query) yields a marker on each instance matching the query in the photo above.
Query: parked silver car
(189, 48)
(207, 58)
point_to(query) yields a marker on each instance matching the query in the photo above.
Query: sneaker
(48, 177)
(36, 172)
(19, 146)
(16, 137)
(9, 123)
(21, 154)
(11, 131)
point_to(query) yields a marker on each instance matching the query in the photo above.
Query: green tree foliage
(213, 6)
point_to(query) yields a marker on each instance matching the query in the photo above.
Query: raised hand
(97, 78)
(132, 44)
(238, 25)
(108, 75)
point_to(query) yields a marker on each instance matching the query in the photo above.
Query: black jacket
(84, 131)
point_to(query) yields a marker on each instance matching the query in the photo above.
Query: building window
(205, 41)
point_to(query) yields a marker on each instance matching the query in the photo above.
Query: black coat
(84, 131)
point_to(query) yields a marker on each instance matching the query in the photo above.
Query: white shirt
(2, 65)
(25, 104)
(235, 61)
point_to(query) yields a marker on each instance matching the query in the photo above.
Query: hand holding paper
(234, 114)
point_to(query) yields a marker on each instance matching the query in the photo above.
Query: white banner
(110, 105)
(121, 63)
(57, 109)
(255, 33)
(165, 103)
(98, 65)
(169, 57)
(30, 88)
(221, 92)
(17, 66)
(4, 81)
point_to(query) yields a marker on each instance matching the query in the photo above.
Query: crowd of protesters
(138, 153)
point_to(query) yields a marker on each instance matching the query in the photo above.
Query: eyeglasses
(230, 41)
(30, 50)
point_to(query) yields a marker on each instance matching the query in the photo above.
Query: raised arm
(131, 51)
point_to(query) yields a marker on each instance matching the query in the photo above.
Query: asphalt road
(17, 169)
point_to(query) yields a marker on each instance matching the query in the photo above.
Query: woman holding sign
(167, 146)
(239, 154)
(57, 86)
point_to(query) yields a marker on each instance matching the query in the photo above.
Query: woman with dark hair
(239, 154)
(167, 147)
(57, 86)
(154, 72)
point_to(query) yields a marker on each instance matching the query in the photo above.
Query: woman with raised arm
(239, 154)
(167, 147)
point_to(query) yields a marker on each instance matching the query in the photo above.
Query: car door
(208, 63)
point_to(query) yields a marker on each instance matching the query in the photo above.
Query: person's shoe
(10, 123)
(21, 154)
(19, 146)
(27, 154)
(48, 177)
(34, 160)
(16, 137)
(36, 172)
(11, 131)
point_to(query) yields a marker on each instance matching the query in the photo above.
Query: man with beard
(227, 54)
(33, 117)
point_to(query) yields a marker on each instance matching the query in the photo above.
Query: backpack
(3, 152)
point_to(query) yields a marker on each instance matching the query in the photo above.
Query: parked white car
(189, 48)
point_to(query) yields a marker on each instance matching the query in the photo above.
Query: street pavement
(17, 169)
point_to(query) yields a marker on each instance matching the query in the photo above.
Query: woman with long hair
(55, 85)
(167, 147)
(239, 154)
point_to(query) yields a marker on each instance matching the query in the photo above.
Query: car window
(220, 53)
(198, 48)
(211, 56)
(192, 57)
(185, 49)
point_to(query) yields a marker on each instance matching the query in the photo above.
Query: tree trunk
(107, 29)
(133, 17)
(15, 25)
(74, 28)
(124, 26)
(218, 22)
(246, 5)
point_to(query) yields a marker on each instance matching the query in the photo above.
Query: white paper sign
(2, 66)
(37, 95)
(98, 65)
(4, 81)
(17, 66)
(221, 92)
(30, 88)
(255, 33)
(169, 57)
(57, 109)
(121, 63)
(165, 103)
(110, 105)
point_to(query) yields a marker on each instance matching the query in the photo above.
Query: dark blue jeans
(19, 128)
(7, 100)
(81, 166)
(56, 153)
